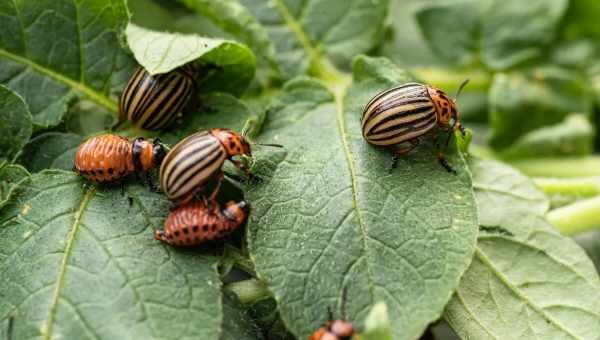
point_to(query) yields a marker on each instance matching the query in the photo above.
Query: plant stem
(249, 291)
(578, 217)
(583, 187)
(560, 167)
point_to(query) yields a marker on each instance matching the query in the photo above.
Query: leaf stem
(583, 187)
(578, 217)
(249, 291)
(560, 167)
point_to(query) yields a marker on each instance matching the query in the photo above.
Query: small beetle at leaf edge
(198, 159)
(405, 113)
(198, 222)
(339, 329)
(109, 158)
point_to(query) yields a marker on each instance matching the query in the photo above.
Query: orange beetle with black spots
(109, 157)
(197, 222)
(198, 159)
(403, 114)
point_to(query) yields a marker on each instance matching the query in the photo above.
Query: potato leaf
(80, 262)
(329, 214)
(526, 280)
(160, 52)
(572, 137)
(11, 176)
(499, 33)
(523, 102)
(50, 150)
(15, 123)
(302, 35)
(54, 50)
(237, 324)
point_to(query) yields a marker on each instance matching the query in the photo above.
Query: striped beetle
(198, 159)
(108, 158)
(197, 222)
(407, 112)
(151, 102)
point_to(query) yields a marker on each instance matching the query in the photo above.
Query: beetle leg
(403, 151)
(246, 171)
(215, 192)
(149, 183)
(444, 163)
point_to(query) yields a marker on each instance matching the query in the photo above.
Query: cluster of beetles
(396, 118)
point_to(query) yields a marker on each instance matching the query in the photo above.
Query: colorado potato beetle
(339, 329)
(403, 114)
(151, 102)
(198, 159)
(197, 222)
(108, 158)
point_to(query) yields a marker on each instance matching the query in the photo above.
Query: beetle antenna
(270, 144)
(329, 314)
(9, 330)
(343, 306)
(460, 88)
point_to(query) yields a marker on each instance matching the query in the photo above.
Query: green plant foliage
(327, 216)
(54, 50)
(498, 33)
(302, 35)
(574, 136)
(50, 150)
(160, 52)
(11, 176)
(526, 280)
(237, 324)
(377, 324)
(80, 262)
(521, 103)
(15, 123)
(417, 249)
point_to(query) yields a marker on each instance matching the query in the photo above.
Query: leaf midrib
(63, 265)
(480, 254)
(90, 93)
(337, 83)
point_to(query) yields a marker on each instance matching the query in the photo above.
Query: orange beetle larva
(194, 223)
(108, 158)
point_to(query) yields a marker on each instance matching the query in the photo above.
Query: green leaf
(377, 325)
(80, 262)
(50, 150)
(404, 43)
(329, 214)
(304, 33)
(15, 123)
(11, 176)
(521, 103)
(54, 50)
(235, 19)
(160, 52)
(266, 315)
(454, 43)
(526, 280)
(85, 118)
(237, 324)
(581, 19)
(572, 137)
(499, 33)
